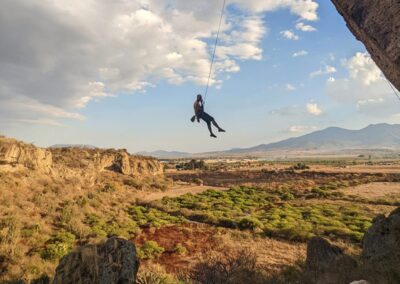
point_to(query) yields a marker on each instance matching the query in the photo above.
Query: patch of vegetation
(302, 222)
(300, 166)
(259, 210)
(151, 217)
(59, 245)
(180, 249)
(235, 268)
(150, 250)
(193, 165)
(112, 227)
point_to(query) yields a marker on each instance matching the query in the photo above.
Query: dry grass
(375, 190)
(34, 207)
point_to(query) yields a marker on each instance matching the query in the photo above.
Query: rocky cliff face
(377, 25)
(73, 162)
(15, 154)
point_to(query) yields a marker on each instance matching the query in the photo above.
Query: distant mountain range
(375, 136)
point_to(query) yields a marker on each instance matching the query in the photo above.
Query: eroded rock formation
(14, 153)
(377, 24)
(114, 261)
(74, 162)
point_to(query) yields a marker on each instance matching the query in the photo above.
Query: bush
(180, 249)
(151, 278)
(300, 166)
(235, 268)
(249, 223)
(58, 246)
(150, 250)
(151, 217)
(103, 228)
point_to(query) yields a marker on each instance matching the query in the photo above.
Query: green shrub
(180, 249)
(249, 223)
(59, 245)
(30, 230)
(150, 250)
(103, 228)
(151, 217)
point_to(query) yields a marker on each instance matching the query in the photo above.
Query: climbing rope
(394, 90)
(215, 49)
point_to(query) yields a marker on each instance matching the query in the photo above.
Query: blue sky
(297, 74)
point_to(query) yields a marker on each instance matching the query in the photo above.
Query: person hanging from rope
(201, 114)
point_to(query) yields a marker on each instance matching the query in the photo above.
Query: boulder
(327, 263)
(115, 261)
(381, 244)
(377, 25)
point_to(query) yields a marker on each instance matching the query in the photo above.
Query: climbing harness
(215, 49)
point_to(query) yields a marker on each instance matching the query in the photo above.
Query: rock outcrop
(74, 162)
(379, 262)
(98, 160)
(14, 154)
(325, 262)
(113, 262)
(381, 244)
(377, 25)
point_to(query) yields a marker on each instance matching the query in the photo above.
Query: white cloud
(362, 67)
(305, 28)
(305, 9)
(76, 51)
(288, 34)
(300, 53)
(365, 87)
(290, 87)
(301, 128)
(313, 109)
(324, 71)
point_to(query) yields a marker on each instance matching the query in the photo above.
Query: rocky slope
(377, 25)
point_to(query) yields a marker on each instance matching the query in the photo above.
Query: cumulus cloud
(313, 109)
(305, 28)
(365, 87)
(288, 34)
(300, 53)
(323, 71)
(305, 9)
(60, 55)
(301, 128)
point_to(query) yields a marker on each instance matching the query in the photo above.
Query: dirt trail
(176, 191)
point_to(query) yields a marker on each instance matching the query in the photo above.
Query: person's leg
(217, 126)
(210, 129)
